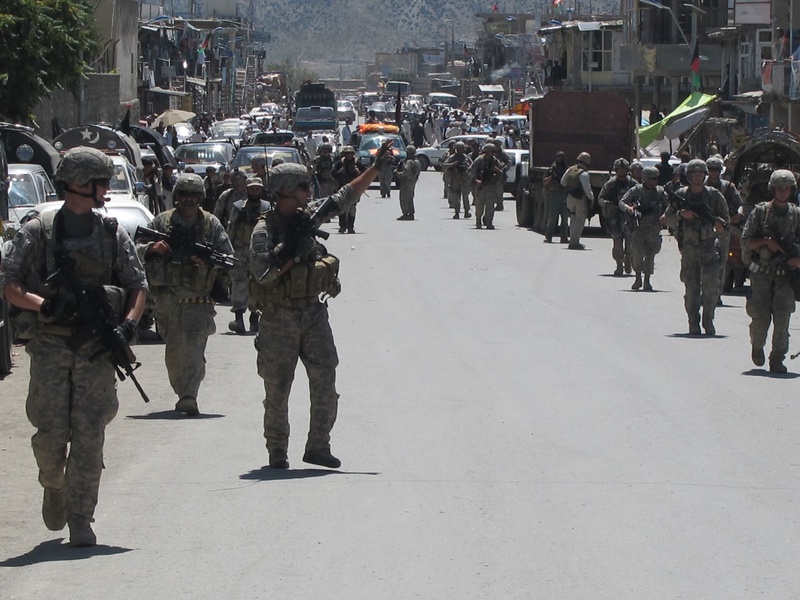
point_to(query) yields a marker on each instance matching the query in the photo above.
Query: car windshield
(373, 142)
(227, 130)
(22, 190)
(120, 183)
(245, 156)
(201, 153)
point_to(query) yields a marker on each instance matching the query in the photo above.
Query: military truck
(599, 123)
(314, 94)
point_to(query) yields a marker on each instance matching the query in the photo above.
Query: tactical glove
(57, 309)
(126, 330)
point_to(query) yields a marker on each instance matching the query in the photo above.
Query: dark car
(205, 154)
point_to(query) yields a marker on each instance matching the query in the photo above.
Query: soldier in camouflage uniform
(734, 201)
(244, 216)
(457, 166)
(613, 190)
(323, 168)
(644, 204)
(345, 170)
(769, 235)
(292, 273)
(697, 239)
(181, 287)
(222, 210)
(72, 396)
(636, 171)
(384, 179)
(487, 174)
(408, 174)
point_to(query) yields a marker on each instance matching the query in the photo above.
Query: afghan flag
(205, 44)
(697, 83)
(495, 8)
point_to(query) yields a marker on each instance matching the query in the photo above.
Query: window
(597, 51)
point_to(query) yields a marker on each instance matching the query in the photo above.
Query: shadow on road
(173, 415)
(267, 473)
(54, 550)
(766, 373)
(698, 336)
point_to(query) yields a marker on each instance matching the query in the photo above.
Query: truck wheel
(524, 209)
(5, 339)
(727, 285)
(424, 162)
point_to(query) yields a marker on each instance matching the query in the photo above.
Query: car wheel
(5, 339)
(424, 162)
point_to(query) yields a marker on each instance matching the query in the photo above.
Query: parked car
(246, 154)
(234, 129)
(271, 138)
(346, 110)
(126, 185)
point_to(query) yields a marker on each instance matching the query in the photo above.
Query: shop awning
(492, 89)
(158, 90)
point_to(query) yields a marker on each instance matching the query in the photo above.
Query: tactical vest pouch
(325, 276)
(24, 322)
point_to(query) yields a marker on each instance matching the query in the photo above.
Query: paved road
(514, 423)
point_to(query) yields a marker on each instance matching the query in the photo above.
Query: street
(514, 422)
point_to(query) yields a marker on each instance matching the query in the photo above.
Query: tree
(43, 48)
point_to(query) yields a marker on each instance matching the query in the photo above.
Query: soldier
(556, 199)
(734, 201)
(210, 183)
(323, 168)
(636, 171)
(293, 272)
(238, 192)
(504, 158)
(408, 174)
(244, 215)
(152, 182)
(72, 396)
(487, 173)
(694, 213)
(457, 166)
(768, 246)
(181, 287)
(345, 170)
(384, 179)
(644, 205)
(610, 195)
(580, 198)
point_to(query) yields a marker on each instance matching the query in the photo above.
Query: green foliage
(295, 74)
(41, 47)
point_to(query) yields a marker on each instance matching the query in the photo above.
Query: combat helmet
(714, 162)
(286, 177)
(190, 183)
(649, 173)
(636, 166)
(585, 158)
(696, 165)
(782, 178)
(411, 150)
(621, 163)
(83, 164)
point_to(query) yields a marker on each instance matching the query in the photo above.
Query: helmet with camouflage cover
(636, 166)
(714, 162)
(696, 166)
(621, 163)
(649, 173)
(348, 150)
(326, 147)
(411, 150)
(286, 177)
(487, 147)
(83, 164)
(782, 178)
(189, 182)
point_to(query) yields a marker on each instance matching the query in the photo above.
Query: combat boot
(237, 325)
(628, 267)
(187, 406)
(53, 513)
(694, 326)
(278, 459)
(467, 215)
(455, 216)
(637, 283)
(708, 325)
(618, 270)
(80, 532)
(757, 354)
(323, 458)
(776, 365)
(254, 317)
(647, 287)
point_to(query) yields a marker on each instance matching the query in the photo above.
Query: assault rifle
(181, 243)
(302, 225)
(96, 321)
(703, 212)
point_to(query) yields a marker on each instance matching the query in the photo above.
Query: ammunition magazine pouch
(302, 282)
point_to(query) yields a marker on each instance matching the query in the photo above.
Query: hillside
(315, 31)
